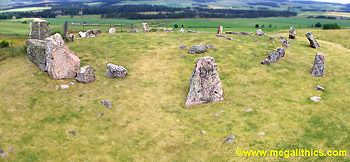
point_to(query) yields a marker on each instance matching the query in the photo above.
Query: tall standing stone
(62, 63)
(205, 84)
(312, 40)
(145, 27)
(292, 33)
(220, 31)
(39, 29)
(36, 53)
(318, 70)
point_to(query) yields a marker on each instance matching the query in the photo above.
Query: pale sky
(337, 1)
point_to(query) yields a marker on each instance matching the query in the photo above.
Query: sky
(337, 1)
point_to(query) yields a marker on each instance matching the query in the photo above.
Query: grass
(148, 121)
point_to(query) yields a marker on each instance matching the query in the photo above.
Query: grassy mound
(148, 121)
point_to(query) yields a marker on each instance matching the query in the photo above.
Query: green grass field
(148, 120)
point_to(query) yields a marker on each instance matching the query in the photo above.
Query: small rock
(319, 88)
(229, 139)
(106, 103)
(285, 43)
(72, 132)
(86, 75)
(248, 110)
(259, 32)
(182, 47)
(198, 49)
(71, 83)
(203, 132)
(112, 30)
(2, 153)
(315, 98)
(115, 71)
(64, 86)
(261, 134)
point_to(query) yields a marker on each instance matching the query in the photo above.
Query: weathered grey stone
(106, 103)
(229, 139)
(62, 63)
(259, 32)
(145, 27)
(198, 49)
(3, 154)
(71, 37)
(312, 40)
(182, 47)
(220, 30)
(274, 56)
(319, 88)
(285, 43)
(96, 32)
(315, 99)
(36, 53)
(292, 33)
(39, 29)
(318, 70)
(115, 71)
(86, 75)
(205, 83)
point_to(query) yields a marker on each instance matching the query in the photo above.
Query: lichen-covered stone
(198, 49)
(312, 40)
(115, 71)
(39, 29)
(205, 83)
(86, 75)
(36, 53)
(274, 56)
(318, 70)
(292, 33)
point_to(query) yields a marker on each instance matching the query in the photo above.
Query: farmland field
(26, 9)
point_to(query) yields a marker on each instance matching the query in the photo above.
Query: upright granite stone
(115, 71)
(259, 32)
(145, 27)
(274, 56)
(292, 33)
(312, 40)
(39, 29)
(205, 84)
(62, 63)
(86, 75)
(36, 53)
(318, 70)
(220, 31)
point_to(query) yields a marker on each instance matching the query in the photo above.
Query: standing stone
(274, 56)
(86, 75)
(39, 29)
(145, 27)
(259, 32)
(292, 33)
(111, 30)
(220, 31)
(312, 40)
(318, 70)
(198, 49)
(96, 32)
(83, 34)
(36, 53)
(115, 71)
(62, 63)
(205, 84)
(71, 37)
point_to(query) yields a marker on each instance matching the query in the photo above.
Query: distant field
(344, 14)
(26, 9)
(204, 25)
